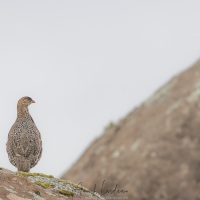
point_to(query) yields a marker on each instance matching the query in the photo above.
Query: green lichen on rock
(34, 174)
(75, 185)
(43, 184)
(79, 187)
(109, 126)
(66, 192)
(63, 187)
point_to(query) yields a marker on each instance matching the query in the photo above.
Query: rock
(37, 186)
(12, 196)
(160, 158)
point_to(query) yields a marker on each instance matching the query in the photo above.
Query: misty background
(87, 63)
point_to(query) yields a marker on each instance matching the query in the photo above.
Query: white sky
(86, 63)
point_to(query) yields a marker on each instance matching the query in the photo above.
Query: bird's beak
(32, 101)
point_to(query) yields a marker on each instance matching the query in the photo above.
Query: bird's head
(25, 101)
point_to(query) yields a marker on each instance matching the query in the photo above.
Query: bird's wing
(24, 141)
(9, 146)
(21, 144)
(37, 148)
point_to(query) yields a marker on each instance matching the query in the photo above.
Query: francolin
(24, 145)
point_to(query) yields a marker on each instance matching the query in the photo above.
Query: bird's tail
(23, 164)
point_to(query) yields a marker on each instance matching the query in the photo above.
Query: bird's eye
(28, 98)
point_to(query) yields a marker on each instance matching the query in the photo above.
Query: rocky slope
(153, 152)
(35, 186)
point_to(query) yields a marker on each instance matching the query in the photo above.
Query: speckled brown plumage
(24, 145)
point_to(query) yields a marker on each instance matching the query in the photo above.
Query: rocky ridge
(153, 152)
(37, 186)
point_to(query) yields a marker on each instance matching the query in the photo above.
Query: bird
(24, 144)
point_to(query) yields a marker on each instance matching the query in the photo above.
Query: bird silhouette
(24, 145)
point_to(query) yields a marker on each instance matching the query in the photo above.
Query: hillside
(153, 152)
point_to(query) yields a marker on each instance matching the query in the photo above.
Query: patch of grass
(75, 185)
(34, 174)
(79, 187)
(43, 184)
(66, 192)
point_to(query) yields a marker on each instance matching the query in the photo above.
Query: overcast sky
(86, 63)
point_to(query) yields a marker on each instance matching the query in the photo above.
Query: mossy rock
(66, 192)
(34, 174)
(63, 187)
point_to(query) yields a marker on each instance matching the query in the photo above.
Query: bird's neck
(23, 112)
